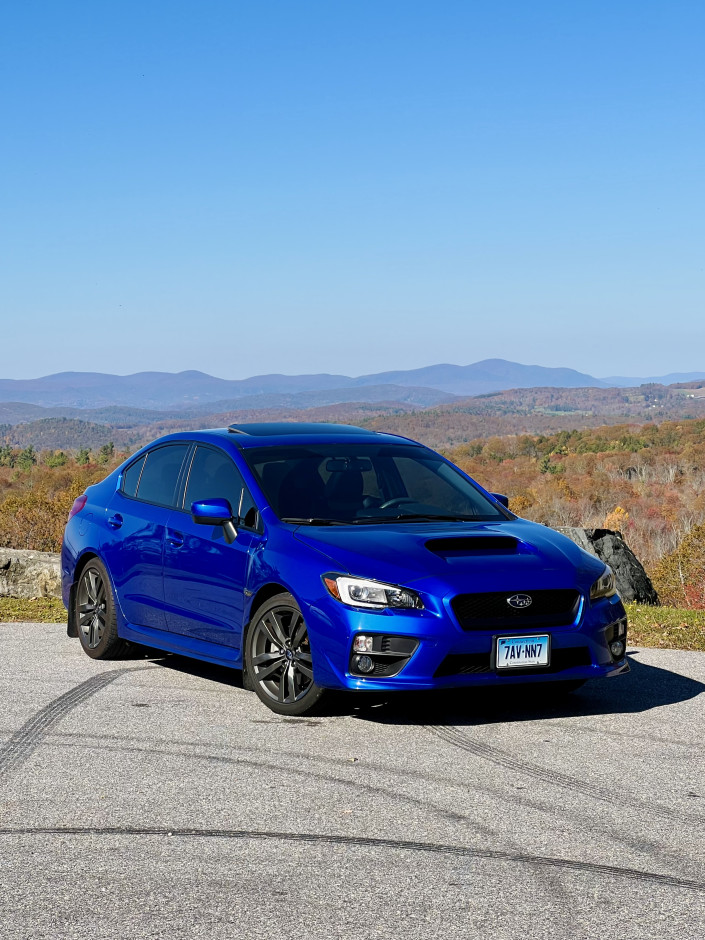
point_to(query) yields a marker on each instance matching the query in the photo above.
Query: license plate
(516, 651)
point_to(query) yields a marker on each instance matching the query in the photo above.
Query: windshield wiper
(294, 521)
(413, 517)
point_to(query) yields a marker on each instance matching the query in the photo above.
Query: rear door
(204, 576)
(135, 528)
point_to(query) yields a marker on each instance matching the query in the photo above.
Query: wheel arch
(262, 595)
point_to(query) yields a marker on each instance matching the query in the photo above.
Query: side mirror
(214, 512)
(504, 500)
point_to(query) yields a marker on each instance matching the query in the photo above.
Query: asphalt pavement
(152, 798)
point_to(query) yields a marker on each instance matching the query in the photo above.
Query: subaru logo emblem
(519, 601)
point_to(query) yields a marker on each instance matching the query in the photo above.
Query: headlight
(356, 592)
(605, 586)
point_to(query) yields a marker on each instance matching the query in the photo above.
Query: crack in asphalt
(556, 778)
(28, 738)
(458, 851)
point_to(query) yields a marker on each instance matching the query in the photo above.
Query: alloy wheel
(92, 604)
(281, 655)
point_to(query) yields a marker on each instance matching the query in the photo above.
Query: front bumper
(446, 656)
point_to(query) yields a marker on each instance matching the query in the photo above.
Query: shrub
(679, 577)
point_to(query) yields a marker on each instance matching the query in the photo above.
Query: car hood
(401, 554)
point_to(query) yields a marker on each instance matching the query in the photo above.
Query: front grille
(465, 664)
(490, 610)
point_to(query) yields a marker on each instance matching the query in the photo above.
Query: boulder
(633, 583)
(29, 574)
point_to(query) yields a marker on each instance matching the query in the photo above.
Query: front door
(204, 576)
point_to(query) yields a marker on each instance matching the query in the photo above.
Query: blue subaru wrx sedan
(316, 557)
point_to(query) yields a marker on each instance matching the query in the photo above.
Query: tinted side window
(214, 475)
(160, 474)
(131, 477)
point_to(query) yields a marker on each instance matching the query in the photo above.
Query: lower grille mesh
(465, 664)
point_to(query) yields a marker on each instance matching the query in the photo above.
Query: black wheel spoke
(93, 583)
(291, 683)
(280, 692)
(304, 670)
(279, 629)
(268, 670)
(271, 632)
(299, 632)
(267, 658)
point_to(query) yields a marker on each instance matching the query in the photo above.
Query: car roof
(270, 434)
(266, 434)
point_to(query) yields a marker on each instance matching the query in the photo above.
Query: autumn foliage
(35, 500)
(646, 481)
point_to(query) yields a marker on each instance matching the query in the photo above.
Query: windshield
(354, 484)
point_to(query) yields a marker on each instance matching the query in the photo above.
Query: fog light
(362, 643)
(364, 663)
(617, 649)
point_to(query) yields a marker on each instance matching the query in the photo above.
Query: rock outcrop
(633, 583)
(29, 574)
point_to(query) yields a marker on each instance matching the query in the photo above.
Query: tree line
(646, 481)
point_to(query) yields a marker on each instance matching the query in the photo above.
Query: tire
(278, 659)
(94, 614)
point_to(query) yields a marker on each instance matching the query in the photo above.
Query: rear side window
(213, 475)
(160, 474)
(131, 477)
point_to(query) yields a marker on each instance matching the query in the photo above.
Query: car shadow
(644, 688)
(197, 667)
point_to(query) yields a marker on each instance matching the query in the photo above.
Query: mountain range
(191, 390)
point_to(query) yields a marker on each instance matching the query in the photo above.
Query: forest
(645, 480)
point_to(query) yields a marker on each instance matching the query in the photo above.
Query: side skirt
(182, 645)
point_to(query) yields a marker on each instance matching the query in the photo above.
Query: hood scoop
(473, 545)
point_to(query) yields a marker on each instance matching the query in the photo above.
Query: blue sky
(350, 187)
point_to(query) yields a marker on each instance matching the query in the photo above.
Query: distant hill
(169, 391)
(671, 379)
(442, 425)
(63, 434)
(67, 392)
(490, 375)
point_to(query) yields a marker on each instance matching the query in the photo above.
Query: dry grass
(38, 610)
(666, 627)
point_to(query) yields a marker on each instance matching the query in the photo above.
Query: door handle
(115, 521)
(175, 539)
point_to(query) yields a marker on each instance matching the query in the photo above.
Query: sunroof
(273, 429)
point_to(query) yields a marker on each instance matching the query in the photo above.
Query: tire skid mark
(554, 777)
(435, 848)
(28, 738)
(654, 849)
